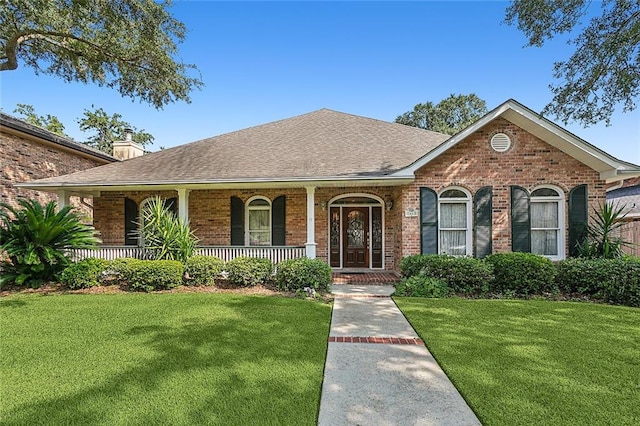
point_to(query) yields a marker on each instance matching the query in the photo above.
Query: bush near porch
(524, 275)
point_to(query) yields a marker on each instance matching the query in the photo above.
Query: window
(546, 237)
(453, 222)
(258, 222)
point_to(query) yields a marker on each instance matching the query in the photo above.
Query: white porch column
(310, 245)
(183, 204)
(63, 199)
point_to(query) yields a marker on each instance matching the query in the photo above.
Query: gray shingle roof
(319, 145)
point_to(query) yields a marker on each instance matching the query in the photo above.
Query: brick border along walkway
(385, 340)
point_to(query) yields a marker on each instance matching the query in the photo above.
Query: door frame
(380, 203)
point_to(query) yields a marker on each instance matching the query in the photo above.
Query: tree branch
(11, 62)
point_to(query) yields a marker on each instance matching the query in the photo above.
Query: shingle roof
(15, 123)
(322, 144)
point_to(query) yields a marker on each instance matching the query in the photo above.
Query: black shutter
(278, 221)
(171, 204)
(428, 221)
(237, 222)
(130, 222)
(483, 206)
(578, 218)
(520, 220)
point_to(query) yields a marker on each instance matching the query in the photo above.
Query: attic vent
(500, 142)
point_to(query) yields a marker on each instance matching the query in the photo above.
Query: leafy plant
(147, 275)
(608, 280)
(522, 274)
(84, 274)
(296, 274)
(34, 239)
(462, 274)
(249, 271)
(602, 241)
(203, 270)
(422, 286)
(165, 236)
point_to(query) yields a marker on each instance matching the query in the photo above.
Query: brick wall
(472, 164)
(23, 159)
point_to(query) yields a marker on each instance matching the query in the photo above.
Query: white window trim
(468, 229)
(247, 208)
(560, 199)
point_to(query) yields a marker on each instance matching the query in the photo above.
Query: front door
(355, 222)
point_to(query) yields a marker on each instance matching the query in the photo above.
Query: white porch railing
(274, 253)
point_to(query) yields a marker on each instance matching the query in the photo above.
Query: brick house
(28, 152)
(363, 193)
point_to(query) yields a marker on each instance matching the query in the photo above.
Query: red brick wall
(472, 164)
(23, 160)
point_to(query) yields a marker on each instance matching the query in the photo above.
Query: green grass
(536, 362)
(161, 359)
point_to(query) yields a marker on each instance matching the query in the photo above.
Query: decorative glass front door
(356, 237)
(356, 233)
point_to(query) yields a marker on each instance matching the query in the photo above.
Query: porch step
(366, 278)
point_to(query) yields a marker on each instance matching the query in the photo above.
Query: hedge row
(149, 275)
(522, 275)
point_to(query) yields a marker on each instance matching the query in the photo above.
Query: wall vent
(500, 142)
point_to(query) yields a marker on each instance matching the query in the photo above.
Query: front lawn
(536, 362)
(161, 359)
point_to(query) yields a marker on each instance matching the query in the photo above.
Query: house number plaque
(411, 212)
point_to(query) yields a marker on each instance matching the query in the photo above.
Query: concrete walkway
(392, 379)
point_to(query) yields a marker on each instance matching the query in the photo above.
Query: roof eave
(221, 184)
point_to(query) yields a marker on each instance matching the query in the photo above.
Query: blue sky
(266, 61)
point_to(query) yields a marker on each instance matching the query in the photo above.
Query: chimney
(127, 149)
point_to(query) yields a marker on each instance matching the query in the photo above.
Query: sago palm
(34, 240)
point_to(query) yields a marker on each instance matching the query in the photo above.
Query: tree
(604, 70)
(129, 45)
(109, 128)
(49, 122)
(448, 116)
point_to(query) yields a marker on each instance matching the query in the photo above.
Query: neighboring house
(363, 193)
(628, 197)
(28, 152)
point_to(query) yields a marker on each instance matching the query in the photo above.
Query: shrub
(84, 274)
(248, 271)
(522, 274)
(147, 275)
(203, 270)
(422, 286)
(296, 274)
(609, 280)
(165, 235)
(462, 274)
(34, 239)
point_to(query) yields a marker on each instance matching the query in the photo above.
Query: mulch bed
(221, 286)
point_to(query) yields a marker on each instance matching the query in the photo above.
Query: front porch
(358, 227)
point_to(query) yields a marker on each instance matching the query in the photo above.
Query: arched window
(258, 222)
(547, 222)
(454, 222)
